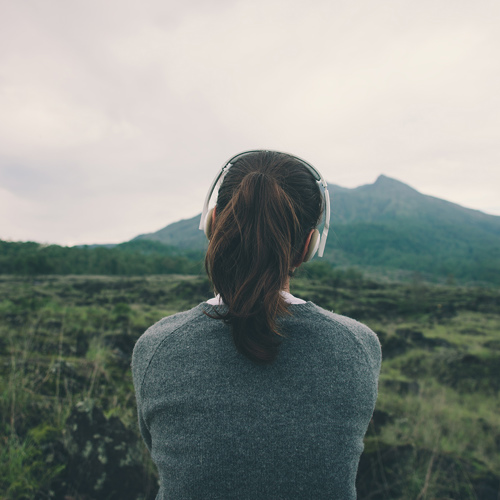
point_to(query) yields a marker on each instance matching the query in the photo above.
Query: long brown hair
(266, 206)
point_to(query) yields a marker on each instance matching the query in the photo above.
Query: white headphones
(315, 243)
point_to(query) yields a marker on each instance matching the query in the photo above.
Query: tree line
(126, 259)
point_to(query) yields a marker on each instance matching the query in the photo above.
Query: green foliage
(24, 471)
(65, 339)
(427, 247)
(138, 258)
(326, 273)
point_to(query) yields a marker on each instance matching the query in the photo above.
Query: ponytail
(257, 237)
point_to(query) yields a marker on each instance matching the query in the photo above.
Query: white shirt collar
(289, 299)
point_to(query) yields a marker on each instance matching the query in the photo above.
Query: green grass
(66, 339)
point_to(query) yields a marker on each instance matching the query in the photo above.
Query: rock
(471, 331)
(402, 386)
(469, 372)
(406, 339)
(395, 346)
(379, 419)
(493, 344)
(418, 339)
(122, 345)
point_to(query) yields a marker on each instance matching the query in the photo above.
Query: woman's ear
(310, 247)
(313, 246)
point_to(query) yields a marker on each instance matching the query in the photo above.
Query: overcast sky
(116, 115)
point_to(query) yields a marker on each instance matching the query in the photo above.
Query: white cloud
(115, 116)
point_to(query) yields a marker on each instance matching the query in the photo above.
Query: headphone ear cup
(208, 223)
(313, 246)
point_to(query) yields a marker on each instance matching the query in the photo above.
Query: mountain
(183, 234)
(389, 199)
(390, 225)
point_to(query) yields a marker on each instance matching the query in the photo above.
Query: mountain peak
(384, 178)
(389, 181)
(389, 184)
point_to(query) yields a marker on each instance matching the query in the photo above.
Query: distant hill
(183, 234)
(390, 225)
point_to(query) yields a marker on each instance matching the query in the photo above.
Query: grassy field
(67, 409)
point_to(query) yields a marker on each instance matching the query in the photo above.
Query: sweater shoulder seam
(359, 344)
(153, 354)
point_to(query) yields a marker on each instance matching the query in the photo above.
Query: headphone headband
(316, 174)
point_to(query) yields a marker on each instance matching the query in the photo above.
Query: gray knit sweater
(219, 426)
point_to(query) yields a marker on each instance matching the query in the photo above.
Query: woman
(256, 393)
